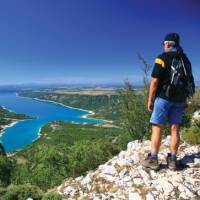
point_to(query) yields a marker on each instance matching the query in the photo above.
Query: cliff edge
(123, 177)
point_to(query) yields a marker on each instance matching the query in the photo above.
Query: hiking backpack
(181, 83)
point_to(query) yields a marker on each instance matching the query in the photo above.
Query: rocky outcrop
(2, 150)
(123, 177)
(196, 116)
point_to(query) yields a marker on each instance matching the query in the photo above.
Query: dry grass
(93, 92)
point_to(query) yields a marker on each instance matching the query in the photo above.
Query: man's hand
(150, 106)
(152, 90)
(185, 105)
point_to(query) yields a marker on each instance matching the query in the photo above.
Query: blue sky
(90, 41)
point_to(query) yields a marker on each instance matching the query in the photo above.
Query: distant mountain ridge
(22, 87)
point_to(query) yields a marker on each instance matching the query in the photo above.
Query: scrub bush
(192, 134)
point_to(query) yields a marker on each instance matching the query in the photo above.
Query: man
(165, 102)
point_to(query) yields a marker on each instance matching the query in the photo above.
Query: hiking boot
(150, 163)
(172, 164)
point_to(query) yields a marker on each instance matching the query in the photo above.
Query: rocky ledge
(123, 177)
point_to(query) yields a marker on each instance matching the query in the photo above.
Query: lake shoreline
(90, 112)
(85, 116)
(14, 122)
(8, 126)
(88, 115)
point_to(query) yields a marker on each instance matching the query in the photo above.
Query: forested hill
(105, 103)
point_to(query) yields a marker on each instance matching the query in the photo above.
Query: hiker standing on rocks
(171, 84)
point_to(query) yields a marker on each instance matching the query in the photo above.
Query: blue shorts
(166, 111)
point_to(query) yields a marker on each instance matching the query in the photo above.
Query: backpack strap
(174, 71)
(184, 68)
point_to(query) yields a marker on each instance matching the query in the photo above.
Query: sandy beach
(8, 125)
(90, 112)
(14, 121)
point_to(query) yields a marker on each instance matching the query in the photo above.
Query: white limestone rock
(123, 172)
(163, 186)
(123, 177)
(138, 181)
(123, 162)
(150, 196)
(79, 178)
(166, 141)
(108, 177)
(197, 161)
(68, 190)
(134, 196)
(127, 179)
(86, 180)
(145, 176)
(196, 116)
(122, 154)
(110, 170)
(134, 145)
(185, 192)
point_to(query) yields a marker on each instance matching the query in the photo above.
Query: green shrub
(2, 191)
(133, 106)
(135, 117)
(86, 155)
(52, 196)
(45, 168)
(45, 163)
(6, 167)
(22, 192)
(192, 134)
(192, 105)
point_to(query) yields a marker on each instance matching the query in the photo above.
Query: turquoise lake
(25, 132)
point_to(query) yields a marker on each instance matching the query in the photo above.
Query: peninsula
(9, 118)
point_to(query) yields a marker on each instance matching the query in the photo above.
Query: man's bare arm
(152, 91)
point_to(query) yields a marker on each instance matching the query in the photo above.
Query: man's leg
(174, 144)
(156, 138)
(158, 119)
(175, 138)
(152, 159)
(175, 117)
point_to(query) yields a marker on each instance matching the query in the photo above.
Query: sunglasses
(168, 42)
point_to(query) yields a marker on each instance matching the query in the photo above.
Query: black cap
(173, 37)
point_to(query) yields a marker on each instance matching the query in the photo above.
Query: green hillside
(104, 106)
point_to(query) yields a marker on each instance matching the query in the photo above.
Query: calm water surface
(24, 132)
